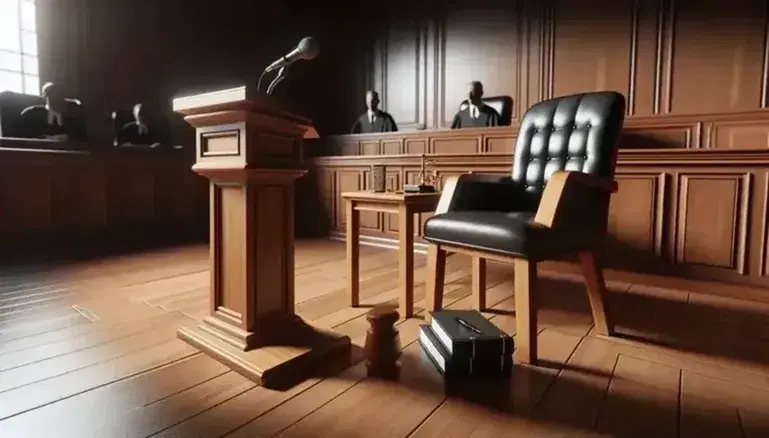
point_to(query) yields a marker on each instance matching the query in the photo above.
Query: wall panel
(75, 200)
(717, 55)
(594, 47)
(669, 58)
(400, 59)
(693, 212)
(480, 45)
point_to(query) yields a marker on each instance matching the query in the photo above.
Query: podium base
(297, 351)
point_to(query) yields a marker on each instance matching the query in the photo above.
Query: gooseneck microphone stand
(282, 73)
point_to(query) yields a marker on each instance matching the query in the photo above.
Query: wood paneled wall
(697, 213)
(72, 199)
(112, 54)
(669, 57)
(115, 53)
(694, 188)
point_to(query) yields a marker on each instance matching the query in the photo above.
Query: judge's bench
(690, 205)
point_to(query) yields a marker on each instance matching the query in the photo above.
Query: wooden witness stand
(251, 153)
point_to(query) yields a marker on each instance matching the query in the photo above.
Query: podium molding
(251, 153)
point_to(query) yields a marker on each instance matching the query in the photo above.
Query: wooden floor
(90, 351)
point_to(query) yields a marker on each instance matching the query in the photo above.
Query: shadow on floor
(733, 333)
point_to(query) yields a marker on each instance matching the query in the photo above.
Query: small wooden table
(405, 206)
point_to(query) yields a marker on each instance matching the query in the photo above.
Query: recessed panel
(271, 218)
(276, 145)
(229, 205)
(456, 145)
(741, 135)
(220, 144)
(633, 212)
(711, 220)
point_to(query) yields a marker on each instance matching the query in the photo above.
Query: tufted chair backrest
(502, 104)
(11, 106)
(577, 132)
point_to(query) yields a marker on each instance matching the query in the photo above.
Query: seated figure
(133, 133)
(476, 114)
(374, 119)
(59, 118)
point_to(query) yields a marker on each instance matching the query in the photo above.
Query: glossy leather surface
(509, 232)
(503, 105)
(574, 133)
(577, 132)
(11, 106)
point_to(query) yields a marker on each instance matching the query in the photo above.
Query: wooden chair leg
(436, 273)
(596, 292)
(525, 282)
(479, 283)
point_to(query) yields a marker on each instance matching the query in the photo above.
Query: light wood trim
(625, 157)
(557, 194)
(406, 206)
(479, 283)
(421, 201)
(525, 290)
(406, 261)
(633, 124)
(452, 184)
(436, 265)
(596, 292)
(353, 253)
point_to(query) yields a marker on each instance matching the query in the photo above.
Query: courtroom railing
(698, 212)
(729, 130)
(55, 194)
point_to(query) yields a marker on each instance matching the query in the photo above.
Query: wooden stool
(383, 346)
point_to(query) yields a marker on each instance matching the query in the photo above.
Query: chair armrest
(576, 200)
(477, 192)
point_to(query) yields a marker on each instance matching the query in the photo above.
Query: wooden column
(251, 153)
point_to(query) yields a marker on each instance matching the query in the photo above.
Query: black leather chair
(555, 203)
(11, 106)
(502, 104)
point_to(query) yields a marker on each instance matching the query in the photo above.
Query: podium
(251, 152)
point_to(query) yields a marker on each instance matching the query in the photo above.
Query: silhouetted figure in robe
(476, 114)
(374, 119)
(135, 133)
(60, 118)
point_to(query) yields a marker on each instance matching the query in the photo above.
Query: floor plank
(90, 347)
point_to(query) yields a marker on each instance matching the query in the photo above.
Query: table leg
(406, 261)
(353, 253)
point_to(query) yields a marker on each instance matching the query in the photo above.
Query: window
(18, 47)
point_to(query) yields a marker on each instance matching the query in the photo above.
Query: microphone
(308, 48)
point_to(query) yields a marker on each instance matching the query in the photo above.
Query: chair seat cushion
(500, 232)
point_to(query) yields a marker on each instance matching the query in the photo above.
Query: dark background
(667, 56)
